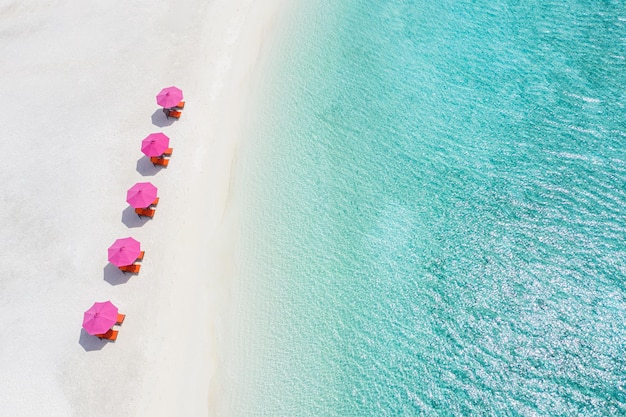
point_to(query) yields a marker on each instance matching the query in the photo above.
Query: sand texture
(80, 80)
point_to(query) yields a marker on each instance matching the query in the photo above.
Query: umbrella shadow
(147, 168)
(130, 218)
(114, 276)
(159, 119)
(89, 342)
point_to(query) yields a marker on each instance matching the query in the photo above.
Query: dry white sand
(79, 79)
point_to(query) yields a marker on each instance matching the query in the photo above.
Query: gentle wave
(437, 214)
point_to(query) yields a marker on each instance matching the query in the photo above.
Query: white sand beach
(81, 80)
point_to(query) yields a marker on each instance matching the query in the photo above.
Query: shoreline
(83, 86)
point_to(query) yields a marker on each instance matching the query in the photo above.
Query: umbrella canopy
(155, 144)
(141, 195)
(124, 251)
(100, 318)
(169, 97)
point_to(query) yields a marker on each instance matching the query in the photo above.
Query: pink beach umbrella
(124, 252)
(169, 97)
(100, 318)
(141, 195)
(155, 144)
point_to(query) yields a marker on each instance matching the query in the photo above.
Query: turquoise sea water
(435, 213)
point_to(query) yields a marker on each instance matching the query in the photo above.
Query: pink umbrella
(124, 252)
(169, 97)
(100, 318)
(155, 144)
(141, 195)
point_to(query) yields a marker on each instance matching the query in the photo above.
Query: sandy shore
(81, 79)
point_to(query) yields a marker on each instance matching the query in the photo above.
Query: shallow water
(435, 213)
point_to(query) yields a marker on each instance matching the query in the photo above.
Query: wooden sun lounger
(159, 161)
(133, 269)
(145, 212)
(172, 113)
(109, 335)
(168, 152)
(141, 255)
(120, 318)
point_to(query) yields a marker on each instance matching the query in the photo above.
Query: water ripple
(438, 214)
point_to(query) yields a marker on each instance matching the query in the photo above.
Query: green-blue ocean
(434, 217)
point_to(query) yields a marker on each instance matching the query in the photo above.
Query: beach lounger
(120, 318)
(145, 212)
(180, 105)
(140, 257)
(155, 202)
(109, 335)
(133, 269)
(159, 161)
(168, 152)
(172, 113)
